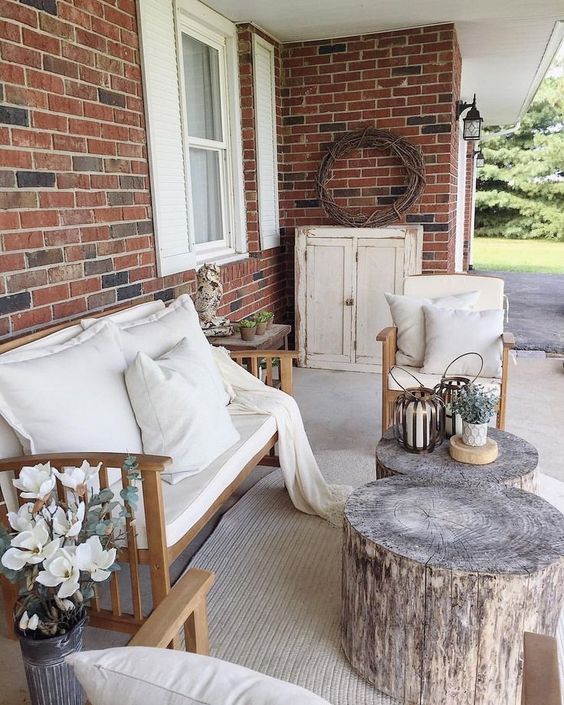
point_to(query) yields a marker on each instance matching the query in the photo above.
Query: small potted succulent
(58, 547)
(262, 322)
(475, 405)
(269, 319)
(247, 328)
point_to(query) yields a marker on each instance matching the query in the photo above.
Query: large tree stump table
(516, 464)
(439, 584)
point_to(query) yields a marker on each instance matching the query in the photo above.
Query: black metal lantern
(448, 390)
(480, 160)
(472, 123)
(418, 418)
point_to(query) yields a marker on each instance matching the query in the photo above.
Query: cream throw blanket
(303, 479)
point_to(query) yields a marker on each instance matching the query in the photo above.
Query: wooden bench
(157, 555)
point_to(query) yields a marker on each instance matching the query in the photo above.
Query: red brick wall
(469, 188)
(405, 81)
(75, 221)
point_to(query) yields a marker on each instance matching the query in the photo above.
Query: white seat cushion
(188, 500)
(429, 380)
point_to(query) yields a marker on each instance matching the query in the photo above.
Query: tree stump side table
(515, 465)
(439, 584)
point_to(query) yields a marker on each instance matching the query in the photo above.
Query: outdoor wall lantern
(480, 160)
(472, 122)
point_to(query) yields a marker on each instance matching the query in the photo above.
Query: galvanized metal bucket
(50, 680)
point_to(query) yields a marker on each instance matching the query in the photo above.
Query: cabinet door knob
(349, 302)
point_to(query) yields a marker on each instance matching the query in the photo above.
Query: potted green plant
(59, 546)
(262, 321)
(247, 328)
(475, 405)
(269, 319)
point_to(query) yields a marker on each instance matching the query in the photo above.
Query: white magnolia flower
(35, 482)
(75, 478)
(68, 524)
(27, 622)
(22, 520)
(32, 546)
(61, 569)
(92, 558)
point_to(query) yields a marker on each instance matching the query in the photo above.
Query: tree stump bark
(440, 583)
(515, 465)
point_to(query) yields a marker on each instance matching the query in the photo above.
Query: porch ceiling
(506, 45)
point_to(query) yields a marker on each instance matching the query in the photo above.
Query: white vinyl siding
(164, 135)
(266, 142)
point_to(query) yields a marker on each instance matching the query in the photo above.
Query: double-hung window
(191, 82)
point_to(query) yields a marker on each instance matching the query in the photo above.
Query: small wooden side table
(515, 465)
(274, 339)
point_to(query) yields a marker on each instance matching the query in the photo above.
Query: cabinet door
(330, 282)
(379, 270)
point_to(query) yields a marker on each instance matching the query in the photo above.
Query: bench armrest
(183, 608)
(146, 463)
(255, 357)
(508, 340)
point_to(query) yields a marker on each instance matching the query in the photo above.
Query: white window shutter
(164, 134)
(265, 136)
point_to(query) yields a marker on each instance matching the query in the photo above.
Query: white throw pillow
(70, 397)
(179, 409)
(137, 674)
(157, 334)
(407, 314)
(451, 333)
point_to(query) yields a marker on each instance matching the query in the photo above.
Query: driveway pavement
(536, 309)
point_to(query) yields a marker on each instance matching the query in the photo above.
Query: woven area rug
(275, 604)
(276, 601)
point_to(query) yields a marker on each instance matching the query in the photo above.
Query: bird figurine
(208, 297)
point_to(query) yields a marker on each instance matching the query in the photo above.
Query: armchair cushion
(138, 674)
(450, 333)
(179, 410)
(428, 380)
(407, 314)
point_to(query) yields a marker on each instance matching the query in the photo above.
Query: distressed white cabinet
(341, 277)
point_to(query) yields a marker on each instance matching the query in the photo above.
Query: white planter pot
(474, 434)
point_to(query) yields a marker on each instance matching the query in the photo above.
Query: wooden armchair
(431, 286)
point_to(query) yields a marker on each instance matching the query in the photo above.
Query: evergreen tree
(520, 189)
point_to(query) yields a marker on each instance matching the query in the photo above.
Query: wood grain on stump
(441, 581)
(515, 465)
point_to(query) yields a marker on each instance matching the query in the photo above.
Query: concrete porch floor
(341, 412)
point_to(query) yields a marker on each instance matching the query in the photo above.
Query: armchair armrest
(254, 357)
(541, 680)
(183, 607)
(386, 334)
(508, 340)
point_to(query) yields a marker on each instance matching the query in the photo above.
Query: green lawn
(518, 255)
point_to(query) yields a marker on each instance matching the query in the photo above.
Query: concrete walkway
(536, 309)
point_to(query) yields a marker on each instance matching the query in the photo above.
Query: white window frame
(268, 239)
(207, 26)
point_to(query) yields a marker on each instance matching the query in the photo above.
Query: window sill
(221, 258)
